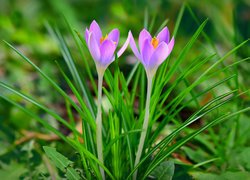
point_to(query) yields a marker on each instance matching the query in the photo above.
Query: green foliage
(62, 163)
(164, 171)
(223, 176)
(12, 171)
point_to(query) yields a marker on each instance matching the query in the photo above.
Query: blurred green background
(23, 24)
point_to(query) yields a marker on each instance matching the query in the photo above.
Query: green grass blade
(86, 64)
(178, 21)
(71, 65)
(86, 117)
(49, 111)
(192, 119)
(168, 117)
(191, 136)
(70, 62)
(38, 119)
(54, 85)
(131, 74)
(176, 101)
(89, 155)
(184, 52)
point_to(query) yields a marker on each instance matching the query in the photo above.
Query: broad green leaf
(58, 159)
(164, 171)
(89, 155)
(61, 162)
(72, 174)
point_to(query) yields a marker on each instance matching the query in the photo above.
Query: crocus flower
(152, 51)
(102, 48)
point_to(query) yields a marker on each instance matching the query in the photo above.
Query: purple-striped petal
(159, 55)
(95, 29)
(86, 35)
(134, 47)
(163, 35)
(144, 34)
(93, 47)
(124, 47)
(147, 52)
(114, 36)
(107, 50)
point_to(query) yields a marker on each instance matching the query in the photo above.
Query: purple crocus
(152, 51)
(102, 48)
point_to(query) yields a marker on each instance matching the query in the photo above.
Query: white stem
(145, 123)
(99, 121)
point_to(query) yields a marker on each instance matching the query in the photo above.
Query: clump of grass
(121, 125)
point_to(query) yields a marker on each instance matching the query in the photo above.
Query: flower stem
(145, 123)
(99, 121)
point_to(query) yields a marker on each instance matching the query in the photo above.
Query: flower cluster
(152, 51)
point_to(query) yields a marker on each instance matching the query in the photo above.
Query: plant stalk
(145, 123)
(99, 121)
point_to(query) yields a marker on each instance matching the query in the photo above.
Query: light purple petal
(134, 47)
(144, 34)
(93, 47)
(147, 52)
(171, 44)
(87, 35)
(124, 47)
(163, 35)
(107, 50)
(95, 29)
(159, 55)
(114, 36)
